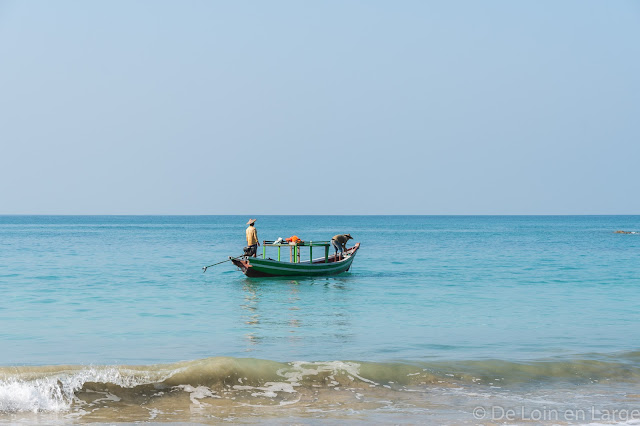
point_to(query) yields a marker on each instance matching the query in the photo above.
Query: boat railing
(294, 249)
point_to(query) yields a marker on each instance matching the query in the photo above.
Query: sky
(326, 107)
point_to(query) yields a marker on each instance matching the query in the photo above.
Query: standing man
(339, 243)
(252, 238)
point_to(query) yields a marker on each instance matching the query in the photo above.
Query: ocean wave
(231, 383)
(53, 388)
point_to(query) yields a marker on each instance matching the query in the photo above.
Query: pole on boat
(204, 268)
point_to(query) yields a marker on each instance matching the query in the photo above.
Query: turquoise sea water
(439, 315)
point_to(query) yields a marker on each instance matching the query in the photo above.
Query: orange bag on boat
(293, 239)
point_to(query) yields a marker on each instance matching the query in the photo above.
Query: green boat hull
(258, 267)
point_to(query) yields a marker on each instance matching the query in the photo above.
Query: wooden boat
(267, 267)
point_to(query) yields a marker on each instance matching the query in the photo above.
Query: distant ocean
(442, 319)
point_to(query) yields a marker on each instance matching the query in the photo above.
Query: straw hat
(251, 221)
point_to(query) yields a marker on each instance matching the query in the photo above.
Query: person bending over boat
(339, 243)
(252, 238)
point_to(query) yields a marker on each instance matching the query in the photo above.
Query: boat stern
(244, 263)
(241, 263)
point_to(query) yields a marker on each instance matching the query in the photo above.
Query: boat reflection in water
(276, 311)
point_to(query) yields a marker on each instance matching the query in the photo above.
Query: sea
(441, 320)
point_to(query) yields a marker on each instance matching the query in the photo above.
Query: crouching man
(339, 243)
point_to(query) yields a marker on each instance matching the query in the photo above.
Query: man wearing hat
(339, 243)
(252, 238)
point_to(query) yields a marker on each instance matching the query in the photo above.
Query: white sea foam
(39, 395)
(303, 368)
(296, 372)
(55, 392)
(198, 393)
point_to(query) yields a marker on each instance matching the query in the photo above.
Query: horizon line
(319, 214)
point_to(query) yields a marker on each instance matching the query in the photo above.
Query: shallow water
(438, 316)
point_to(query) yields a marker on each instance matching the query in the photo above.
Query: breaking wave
(224, 386)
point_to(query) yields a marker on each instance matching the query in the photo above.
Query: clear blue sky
(327, 107)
